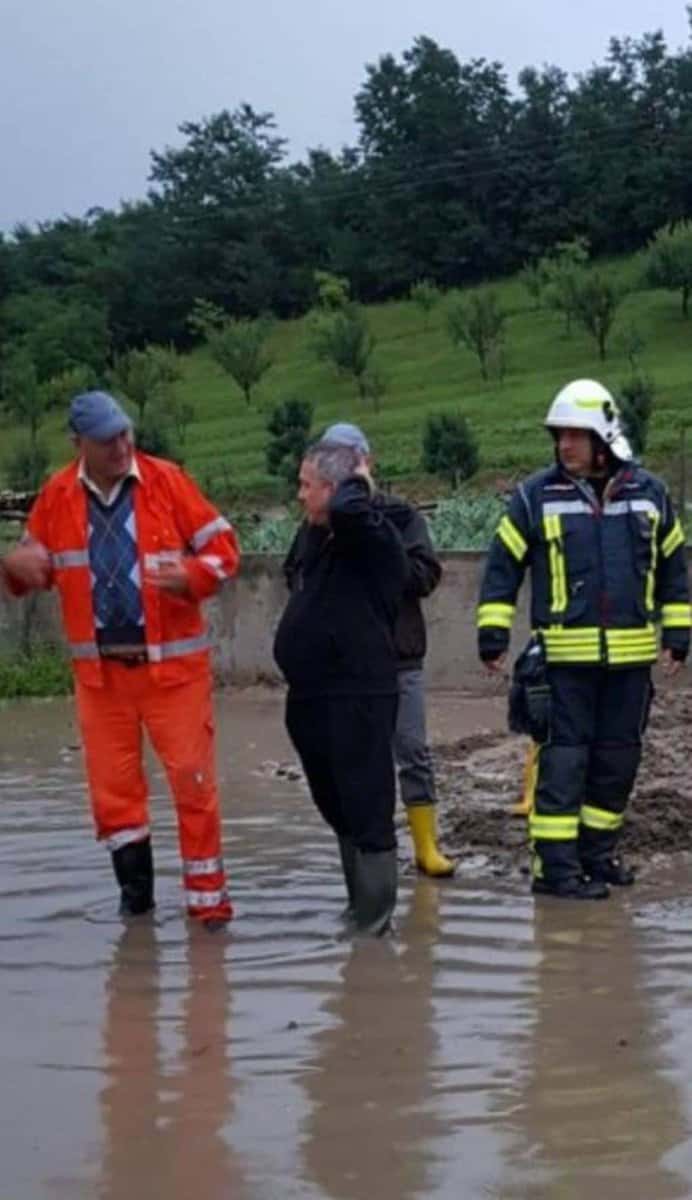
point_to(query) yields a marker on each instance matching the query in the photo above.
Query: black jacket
(336, 633)
(423, 575)
(603, 573)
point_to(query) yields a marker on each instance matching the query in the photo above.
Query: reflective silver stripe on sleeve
(161, 650)
(205, 899)
(208, 531)
(556, 508)
(215, 564)
(202, 866)
(84, 650)
(124, 837)
(70, 558)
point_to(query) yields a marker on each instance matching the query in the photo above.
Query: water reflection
(597, 1115)
(167, 1097)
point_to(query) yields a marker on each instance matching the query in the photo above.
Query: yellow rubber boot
(524, 806)
(421, 819)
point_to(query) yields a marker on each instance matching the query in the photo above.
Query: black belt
(128, 660)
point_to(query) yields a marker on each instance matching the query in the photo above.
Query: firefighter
(607, 561)
(133, 547)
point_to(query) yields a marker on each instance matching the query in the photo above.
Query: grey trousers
(411, 751)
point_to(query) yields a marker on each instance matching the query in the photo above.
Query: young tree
(425, 295)
(240, 349)
(669, 261)
(596, 301)
(23, 397)
(333, 291)
(147, 377)
(636, 398)
(533, 279)
(450, 449)
(562, 270)
(288, 427)
(478, 323)
(344, 339)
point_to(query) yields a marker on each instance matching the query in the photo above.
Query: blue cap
(98, 415)
(345, 434)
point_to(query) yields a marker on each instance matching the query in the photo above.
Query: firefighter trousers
(587, 768)
(180, 725)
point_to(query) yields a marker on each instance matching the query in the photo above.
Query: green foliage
(60, 389)
(426, 296)
(669, 261)
(596, 299)
(465, 522)
(450, 449)
(343, 338)
(147, 377)
(22, 396)
(42, 671)
(288, 427)
(239, 347)
(26, 466)
(532, 278)
(154, 436)
(562, 271)
(636, 399)
(479, 323)
(333, 291)
(631, 343)
(205, 317)
(266, 535)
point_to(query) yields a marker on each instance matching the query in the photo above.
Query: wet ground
(493, 1048)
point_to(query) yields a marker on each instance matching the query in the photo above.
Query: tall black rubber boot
(133, 865)
(347, 851)
(375, 880)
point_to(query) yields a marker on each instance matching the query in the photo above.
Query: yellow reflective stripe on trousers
(674, 539)
(512, 538)
(600, 818)
(631, 645)
(552, 525)
(553, 829)
(496, 614)
(578, 645)
(650, 598)
(676, 616)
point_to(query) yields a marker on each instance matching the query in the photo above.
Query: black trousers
(345, 746)
(587, 769)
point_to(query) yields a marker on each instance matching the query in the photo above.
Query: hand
(495, 666)
(29, 564)
(670, 666)
(362, 468)
(169, 577)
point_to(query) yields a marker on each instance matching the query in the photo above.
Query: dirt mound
(480, 779)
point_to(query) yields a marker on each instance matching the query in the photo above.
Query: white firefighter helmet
(586, 404)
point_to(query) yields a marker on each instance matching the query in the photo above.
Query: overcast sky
(88, 87)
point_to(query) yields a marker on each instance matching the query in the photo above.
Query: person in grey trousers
(410, 744)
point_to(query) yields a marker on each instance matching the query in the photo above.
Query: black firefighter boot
(598, 858)
(134, 870)
(347, 850)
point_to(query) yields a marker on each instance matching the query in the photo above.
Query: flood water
(493, 1048)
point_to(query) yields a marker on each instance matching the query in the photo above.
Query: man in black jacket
(335, 647)
(410, 744)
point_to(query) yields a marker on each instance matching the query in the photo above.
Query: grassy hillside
(424, 373)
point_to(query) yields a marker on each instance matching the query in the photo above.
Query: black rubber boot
(133, 865)
(347, 851)
(572, 889)
(611, 870)
(375, 880)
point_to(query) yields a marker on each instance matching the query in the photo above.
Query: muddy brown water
(492, 1048)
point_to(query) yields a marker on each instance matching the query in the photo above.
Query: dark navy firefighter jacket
(603, 574)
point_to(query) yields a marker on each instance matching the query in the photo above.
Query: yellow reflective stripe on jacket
(552, 525)
(674, 539)
(650, 598)
(676, 616)
(553, 829)
(580, 645)
(631, 645)
(512, 538)
(496, 614)
(600, 818)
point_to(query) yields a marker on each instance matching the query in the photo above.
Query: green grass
(44, 671)
(426, 373)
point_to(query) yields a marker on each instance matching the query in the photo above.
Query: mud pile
(480, 779)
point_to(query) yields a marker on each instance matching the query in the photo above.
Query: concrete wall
(243, 619)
